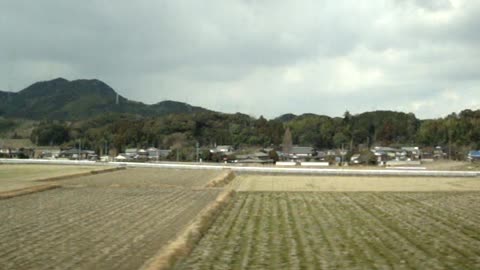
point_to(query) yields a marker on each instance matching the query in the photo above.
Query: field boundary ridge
(222, 180)
(75, 175)
(184, 243)
(28, 190)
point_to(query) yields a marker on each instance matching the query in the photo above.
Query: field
(247, 182)
(23, 176)
(93, 228)
(336, 230)
(146, 177)
(115, 220)
(127, 219)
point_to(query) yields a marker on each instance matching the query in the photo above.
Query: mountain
(285, 117)
(79, 99)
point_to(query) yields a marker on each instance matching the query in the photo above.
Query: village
(280, 156)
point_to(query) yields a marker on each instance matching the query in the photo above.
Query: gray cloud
(259, 57)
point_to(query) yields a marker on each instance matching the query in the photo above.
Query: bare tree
(287, 141)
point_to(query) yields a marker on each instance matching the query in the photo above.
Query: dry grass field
(20, 176)
(337, 230)
(128, 219)
(146, 177)
(115, 220)
(247, 182)
(94, 228)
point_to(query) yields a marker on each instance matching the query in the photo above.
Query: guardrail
(314, 171)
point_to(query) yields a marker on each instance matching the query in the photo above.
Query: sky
(265, 57)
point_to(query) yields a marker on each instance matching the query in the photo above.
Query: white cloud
(258, 57)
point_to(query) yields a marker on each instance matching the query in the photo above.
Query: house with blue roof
(474, 155)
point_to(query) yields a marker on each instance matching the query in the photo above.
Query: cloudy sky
(264, 57)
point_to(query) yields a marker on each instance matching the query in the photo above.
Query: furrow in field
(450, 217)
(435, 235)
(247, 250)
(215, 240)
(381, 210)
(261, 251)
(379, 239)
(138, 225)
(316, 244)
(396, 243)
(446, 220)
(297, 210)
(292, 255)
(333, 232)
(72, 232)
(113, 220)
(357, 248)
(95, 226)
(275, 234)
(349, 250)
(323, 238)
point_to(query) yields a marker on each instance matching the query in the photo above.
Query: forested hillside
(460, 131)
(67, 113)
(61, 99)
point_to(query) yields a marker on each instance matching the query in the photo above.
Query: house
(120, 157)
(412, 152)
(298, 153)
(130, 153)
(47, 152)
(156, 154)
(222, 149)
(5, 152)
(474, 155)
(16, 152)
(385, 154)
(257, 157)
(74, 153)
(106, 159)
(153, 153)
(438, 153)
(142, 154)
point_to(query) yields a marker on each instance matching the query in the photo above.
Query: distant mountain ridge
(61, 99)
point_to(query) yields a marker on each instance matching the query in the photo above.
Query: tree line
(184, 131)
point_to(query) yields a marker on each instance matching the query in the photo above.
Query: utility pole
(197, 154)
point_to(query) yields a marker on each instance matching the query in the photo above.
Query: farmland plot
(348, 183)
(147, 177)
(23, 176)
(337, 230)
(94, 227)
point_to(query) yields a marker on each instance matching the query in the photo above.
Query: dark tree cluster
(181, 132)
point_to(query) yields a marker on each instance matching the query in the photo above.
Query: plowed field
(93, 228)
(115, 220)
(335, 230)
(147, 177)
